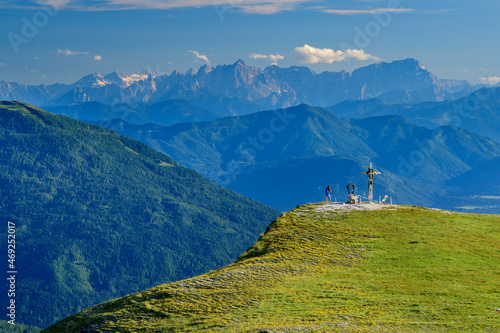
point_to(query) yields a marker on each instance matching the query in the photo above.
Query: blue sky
(48, 41)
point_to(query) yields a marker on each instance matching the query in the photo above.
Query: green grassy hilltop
(332, 268)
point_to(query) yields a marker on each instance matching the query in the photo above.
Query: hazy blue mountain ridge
(421, 153)
(482, 180)
(245, 154)
(478, 112)
(267, 88)
(165, 113)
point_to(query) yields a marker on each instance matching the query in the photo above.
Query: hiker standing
(328, 192)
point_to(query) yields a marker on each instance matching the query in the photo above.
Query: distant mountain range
(98, 215)
(167, 113)
(240, 89)
(478, 112)
(482, 180)
(284, 157)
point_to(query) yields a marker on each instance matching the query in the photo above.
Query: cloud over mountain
(73, 53)
(273, 57)
(312, 55)
(70, 53)
(491, 79)
(360, 55)
(200, 56)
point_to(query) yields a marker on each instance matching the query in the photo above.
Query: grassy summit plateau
(332, 268)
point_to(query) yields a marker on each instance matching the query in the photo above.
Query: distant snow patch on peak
(100, 83)
(124, 80)
(133, 78)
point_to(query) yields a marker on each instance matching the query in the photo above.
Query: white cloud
(3, 64)
(54, 3)
(491, 79)
(273, 57)
(367, 11)
(246, 6)
(73, 53)
(200, 56)
(70, 53)
(36, 4)
(266, 9)
(360, 55)
(312, 55)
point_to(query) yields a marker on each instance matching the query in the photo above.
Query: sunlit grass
(404, 270)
